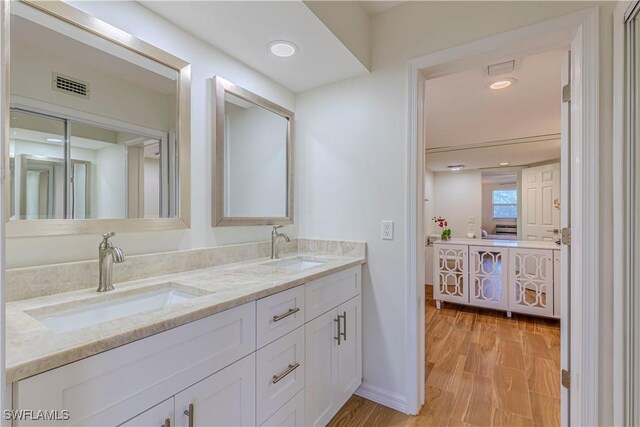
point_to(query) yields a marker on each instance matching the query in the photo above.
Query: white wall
(256, 162)
(429, 203)
(206, 62)
(151, 188)
(351, 160)
(111, 182)
(458, 198)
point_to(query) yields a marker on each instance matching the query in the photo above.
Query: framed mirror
(252, 159)
(97, 126)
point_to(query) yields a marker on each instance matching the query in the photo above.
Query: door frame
(626, 409)
(555, 33)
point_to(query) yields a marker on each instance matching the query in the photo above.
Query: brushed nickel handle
(190, 413)
(287, 314)
(292, 367)
(344, 320)
(166, 423)
(337, 320)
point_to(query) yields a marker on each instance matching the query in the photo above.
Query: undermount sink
(102, 308)
(298, 263)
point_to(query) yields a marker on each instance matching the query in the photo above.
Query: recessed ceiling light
(501, 84)
(454, 168)
(57, 140)
(504, 163)
(282, 48)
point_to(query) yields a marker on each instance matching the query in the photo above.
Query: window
(505, 204)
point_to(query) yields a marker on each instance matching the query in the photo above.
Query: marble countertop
(32, 348)
(500, 243)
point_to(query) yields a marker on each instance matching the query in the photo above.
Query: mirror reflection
(92, 125)
(255, 141)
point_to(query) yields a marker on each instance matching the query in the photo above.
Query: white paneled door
(541, 203)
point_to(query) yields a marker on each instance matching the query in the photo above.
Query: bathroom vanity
(254, 343)
(511, 276)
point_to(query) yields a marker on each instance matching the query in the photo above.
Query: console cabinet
(268, 362)
(511, 279)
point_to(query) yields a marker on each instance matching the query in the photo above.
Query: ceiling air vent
(70, 86)
(501, 68)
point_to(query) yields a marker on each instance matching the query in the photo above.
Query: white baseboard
(384, 397)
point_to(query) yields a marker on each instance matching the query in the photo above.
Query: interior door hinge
(566, 379)
(566, 93)
(566, 236)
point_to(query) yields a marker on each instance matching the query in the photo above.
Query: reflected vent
(70, 86)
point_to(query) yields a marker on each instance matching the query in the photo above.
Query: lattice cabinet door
(488, 276)
(450, 271)
(531, 281)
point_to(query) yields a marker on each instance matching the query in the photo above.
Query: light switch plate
(387, 230)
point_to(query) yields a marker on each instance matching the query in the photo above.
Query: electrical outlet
(387, 230)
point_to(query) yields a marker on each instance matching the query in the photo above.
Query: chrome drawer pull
(167, 423)
(287, 314)
(189, 413)
(287, 371)
(344, 319)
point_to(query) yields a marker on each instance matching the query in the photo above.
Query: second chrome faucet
(275, 236)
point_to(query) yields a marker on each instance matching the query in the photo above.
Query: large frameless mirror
(98, 127)
(252, 158)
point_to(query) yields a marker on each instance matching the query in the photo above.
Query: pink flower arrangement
(442, 223)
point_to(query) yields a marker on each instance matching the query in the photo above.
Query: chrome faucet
(107, 255)
(275, 235)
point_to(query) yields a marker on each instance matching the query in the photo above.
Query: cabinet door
(531, 281)
(557, 283)
(321, 353)
(349, 350)
(450, 264)
(160, 415)
(226, 398)
(488, 276)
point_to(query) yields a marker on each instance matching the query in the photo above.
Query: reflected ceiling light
(504, 163)
(454, 168)
(282, 48)
(501, 84)
(57, 140)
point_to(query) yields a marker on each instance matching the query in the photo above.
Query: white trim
(384, 397)
(622, 397)
(555, 33)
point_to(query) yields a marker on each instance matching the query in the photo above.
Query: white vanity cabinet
(255, 364)
(334, 350)
(521, 277)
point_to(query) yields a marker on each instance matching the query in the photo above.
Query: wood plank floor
(482, 369)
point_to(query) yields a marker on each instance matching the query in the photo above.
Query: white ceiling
(461, 110)
(489, 157)
(244, 29)
(26, 34)
(376, 7)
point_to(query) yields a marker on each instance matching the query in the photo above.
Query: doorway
(579, 33)
(493, 142)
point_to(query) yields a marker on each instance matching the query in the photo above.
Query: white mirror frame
(73, 16)
(219, 87)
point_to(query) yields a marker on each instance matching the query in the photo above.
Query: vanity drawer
(290, 415)
(324, 294)
(112, 387)
(280, 375)
(279, 314)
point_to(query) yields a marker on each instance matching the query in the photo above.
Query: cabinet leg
(508, 314)
(438, 304)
